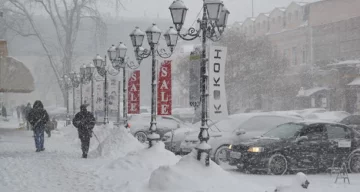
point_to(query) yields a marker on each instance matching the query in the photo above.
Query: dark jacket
(38, 115)
(84, 121)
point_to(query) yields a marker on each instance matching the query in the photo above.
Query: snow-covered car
(58, 112)
(331, 116)
(302, 146)
(140, 124)
(234, 128)
(185, 114)
(352, 121)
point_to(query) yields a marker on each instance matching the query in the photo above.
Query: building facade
(314, 38)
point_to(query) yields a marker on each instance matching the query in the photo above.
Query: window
(304, 55)
(284, 131)
(314, 132)
(279, 19)
(264, 24)
(289, 17)
(337, 132)
(258, 26)
(297, 15)
(294, 54)
(273, 20)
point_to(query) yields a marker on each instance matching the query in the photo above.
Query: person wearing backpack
(38, 118)
(84, 121)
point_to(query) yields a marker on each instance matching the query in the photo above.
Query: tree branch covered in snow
(66, 17)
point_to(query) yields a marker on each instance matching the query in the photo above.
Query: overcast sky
(240, 9)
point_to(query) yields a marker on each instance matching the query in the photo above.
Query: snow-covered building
(317, 35)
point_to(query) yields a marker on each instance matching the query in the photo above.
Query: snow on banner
(164, 96)
(134, 93)
(217, 100)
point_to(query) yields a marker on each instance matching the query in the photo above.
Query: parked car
(300, 146)
(333, 116)
(352, 121)
(140, 124)
(223, 133)
(184, 114)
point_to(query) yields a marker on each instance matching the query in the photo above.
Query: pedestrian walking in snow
(300, 183)
(84, 121)
(4, 112)
(26, 113)
(38, 117)
(22, 110)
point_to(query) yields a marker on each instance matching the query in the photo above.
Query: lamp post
(85, 78)
(100, 65)
(67, 85)
(75, 82)
(117, 56)
(153, 34)
(90, 69)
(211, 26)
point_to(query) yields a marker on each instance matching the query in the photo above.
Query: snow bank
(146, 158)
(131, 172)
(117, 144)
(191, 175)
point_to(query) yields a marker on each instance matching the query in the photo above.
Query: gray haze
(240, 9)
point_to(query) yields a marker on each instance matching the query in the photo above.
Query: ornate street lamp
(212, 26)
(75, 82)
(153, 34)
(90, 69)
(100, 65)
(119, 61)
(66, 82)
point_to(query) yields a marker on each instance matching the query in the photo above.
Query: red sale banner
(164, 96)
(134, 93)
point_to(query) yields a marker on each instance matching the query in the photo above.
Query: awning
(311, 91)
(355, 82)
(15, 77)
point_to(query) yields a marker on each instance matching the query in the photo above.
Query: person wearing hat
(84, 121)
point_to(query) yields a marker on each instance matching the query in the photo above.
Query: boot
(84, 155)
(37, 150)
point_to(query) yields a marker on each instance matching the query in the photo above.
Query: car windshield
(284, 131)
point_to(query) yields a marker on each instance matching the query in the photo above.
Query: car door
(308, 153)
(340, 144)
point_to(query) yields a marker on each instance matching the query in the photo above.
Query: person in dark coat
(38, 117)
(84, 121)
(27, 111)
(3, 111)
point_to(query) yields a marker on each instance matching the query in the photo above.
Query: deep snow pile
(191, 175)
(131, 172)
(117, 144)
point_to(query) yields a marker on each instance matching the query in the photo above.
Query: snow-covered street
(120, 163)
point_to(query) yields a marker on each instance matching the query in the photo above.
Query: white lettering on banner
(217, 95)
(163, 97)
(164, 85)
(164, 72)
(164, 109)
(133, 88)
(133, 106)
(133, 97)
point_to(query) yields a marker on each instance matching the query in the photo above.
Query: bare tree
(66, 18)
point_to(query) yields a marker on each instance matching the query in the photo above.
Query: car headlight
(256, 149)
(230, 147)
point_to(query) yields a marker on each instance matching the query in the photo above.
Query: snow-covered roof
(347, 62)
(355, 82)
(311, 91)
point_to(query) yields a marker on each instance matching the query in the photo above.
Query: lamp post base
(153, 138)
(204, 148)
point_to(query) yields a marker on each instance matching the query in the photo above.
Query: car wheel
(354, 163)
(277, 165)
(141, 136)
(220, 155)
